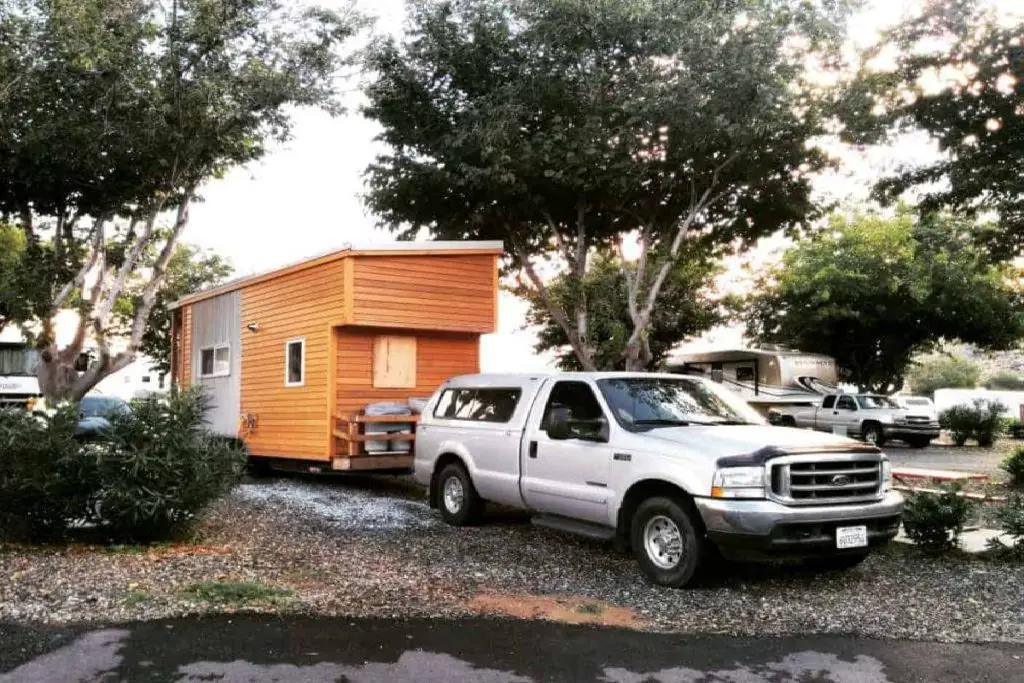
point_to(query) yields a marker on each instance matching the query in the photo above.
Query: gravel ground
(949, 457)
(373, 548)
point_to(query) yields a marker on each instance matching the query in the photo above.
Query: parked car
(675, 467)
(95, 412)
(917, 404)
(871, 417)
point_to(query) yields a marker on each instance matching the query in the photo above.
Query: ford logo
(841, 480)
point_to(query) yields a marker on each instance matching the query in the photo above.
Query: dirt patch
(565, 609)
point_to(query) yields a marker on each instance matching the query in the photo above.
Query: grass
(134, 598)
(589, 608)
(238, 593)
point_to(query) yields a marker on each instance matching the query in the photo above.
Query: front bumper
(895, 431)
(756, 528)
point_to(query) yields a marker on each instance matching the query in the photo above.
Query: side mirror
(562, 426)
(559, 424)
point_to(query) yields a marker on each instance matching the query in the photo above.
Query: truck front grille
(830, 480)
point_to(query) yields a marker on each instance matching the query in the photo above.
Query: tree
(559, 126)
(686, 309)
(873, 292)
(943, 372)
(115, 113)
(12, 249)
(189, 270)
(973, 112)
(1005, 381)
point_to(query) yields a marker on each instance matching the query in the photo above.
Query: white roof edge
(440, 245)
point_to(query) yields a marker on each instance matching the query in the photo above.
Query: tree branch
(132, 258)
(79, 279)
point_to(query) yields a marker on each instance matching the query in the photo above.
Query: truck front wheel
(666, 542)
(873, 434)
(457, 497)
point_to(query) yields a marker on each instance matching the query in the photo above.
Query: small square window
(295, 363)
(215, 361)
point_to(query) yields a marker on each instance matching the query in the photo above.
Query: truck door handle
(835, 412)
(533, 449)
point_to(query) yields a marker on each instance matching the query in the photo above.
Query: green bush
(40, 475)
(980, 421)
(1014, 466)
(1005, 381)
(942, 372)
(1011, 521)
(934, 521)
(145, 479)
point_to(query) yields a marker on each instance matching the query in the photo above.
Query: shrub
(40, 475)
(1014, 466)
(934, 521)
(941, 372)
(1011, 521)
(981, 421)
(158, 467)
(1005, 381)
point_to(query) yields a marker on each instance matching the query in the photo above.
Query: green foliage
(934, 521)
(943, 372)
(977, 125)
(1010, 516)
(13, 301)
(874, 292)
(1005, 381)
(687, 309)
(237, 593)
(41, 475)
(143, 480)
(1014, 466)
(980, 421)
(559, 126)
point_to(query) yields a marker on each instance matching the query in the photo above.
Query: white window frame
(214, 348)
(287, 358)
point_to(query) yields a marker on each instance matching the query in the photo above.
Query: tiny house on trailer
(292, 358)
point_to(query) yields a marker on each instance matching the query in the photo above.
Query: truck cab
(871, 417)
(674, 467)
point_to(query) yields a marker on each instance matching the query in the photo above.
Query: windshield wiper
(661, 423)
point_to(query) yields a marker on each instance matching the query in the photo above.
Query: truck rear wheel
(457, 498)
(667, 542)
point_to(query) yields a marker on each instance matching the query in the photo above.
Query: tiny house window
(295, 362)
(394, 362)
(215, 361)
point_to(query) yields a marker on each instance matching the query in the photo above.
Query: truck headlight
(886, 475)
(738, 482)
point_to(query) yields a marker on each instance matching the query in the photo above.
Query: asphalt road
(251, 649)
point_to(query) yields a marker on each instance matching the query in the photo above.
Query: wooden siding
(186, 347)
(454, 293)
(438, 357)
(292, 422)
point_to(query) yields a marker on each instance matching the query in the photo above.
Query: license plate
(851, 537)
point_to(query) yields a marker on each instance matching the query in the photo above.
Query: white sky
(303, 198)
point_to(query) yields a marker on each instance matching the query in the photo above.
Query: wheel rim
(871, 435)
(454, 494)
(663, 542)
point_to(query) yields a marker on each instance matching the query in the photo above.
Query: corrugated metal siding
(291, 421)
(451, 293)
(216, 322)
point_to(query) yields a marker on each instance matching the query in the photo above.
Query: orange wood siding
(186, 347)
(292, 422)
(454, 293)
(438, 357)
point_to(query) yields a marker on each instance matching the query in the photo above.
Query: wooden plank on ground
(937, 475)
(373, 462)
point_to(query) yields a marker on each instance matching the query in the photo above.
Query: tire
(872, 433)
(259, 468)
(457, 499)
(653, 525)
(919, 442)
(787, 421)
(835, 563)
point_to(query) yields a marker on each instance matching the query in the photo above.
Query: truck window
(478, 405)
(846, 403)
(578, 397)
(828, 402)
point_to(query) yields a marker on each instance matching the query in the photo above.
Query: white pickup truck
(675, 467)
(871, 417)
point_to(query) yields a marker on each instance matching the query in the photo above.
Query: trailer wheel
(457, 498)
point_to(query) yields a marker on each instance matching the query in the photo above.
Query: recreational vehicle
(765, 378)
(321, 365)
(18, 384)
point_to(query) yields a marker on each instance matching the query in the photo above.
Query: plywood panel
(438, 356)
(445, 293)
(394, 362)
(291, 421)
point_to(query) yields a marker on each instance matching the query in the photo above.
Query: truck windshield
(876, 402)
(17, 360)
(649, 402)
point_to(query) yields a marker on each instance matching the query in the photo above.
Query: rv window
(478, 405)
(828, 402)
(215, 361)
(295, 362)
